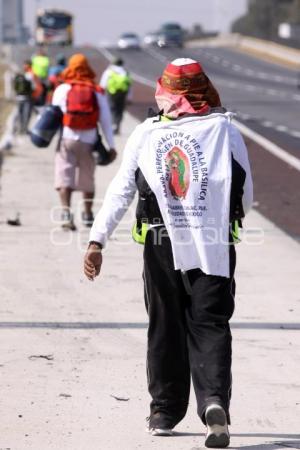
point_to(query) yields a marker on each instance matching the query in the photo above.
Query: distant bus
(54, 26)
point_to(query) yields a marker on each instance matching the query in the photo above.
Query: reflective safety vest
(139, 232)
(40, 66)
(235, 231)
(118, 83)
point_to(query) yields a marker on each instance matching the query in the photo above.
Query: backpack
(22, 86)
(82, 107)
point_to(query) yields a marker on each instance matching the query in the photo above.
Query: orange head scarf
(78, 70)
(184, 88)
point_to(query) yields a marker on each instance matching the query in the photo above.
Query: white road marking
(250, 87)
(281, 94)
(295, 134)
(244, 116)
(269, 146)
(268, 123)
(282, 128)
(263, 75)
(156, 55)
(251, 72)
(108, 55)
(272, 92)
(142, 80)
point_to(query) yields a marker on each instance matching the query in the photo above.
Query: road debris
(120, 399)
(14, 222)
(48, 357)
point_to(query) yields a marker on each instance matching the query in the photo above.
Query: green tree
(264, 16)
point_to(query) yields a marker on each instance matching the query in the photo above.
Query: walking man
(191, 170)
(54, 76)
(24, 87)
(40, 67)
(116, 82)
(84, 104)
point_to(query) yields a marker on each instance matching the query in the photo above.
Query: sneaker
(87, 219)
(157, 431)
(217, 429)
(67, 222)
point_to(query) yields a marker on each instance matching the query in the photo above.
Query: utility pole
(1, 21)
(11, 21)
(20, 22)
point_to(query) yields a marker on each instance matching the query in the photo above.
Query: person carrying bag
(84, 106)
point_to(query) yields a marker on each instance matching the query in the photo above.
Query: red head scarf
(184, 88)
(78, 69)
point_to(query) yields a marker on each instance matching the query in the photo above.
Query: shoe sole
(216, 420)
(214, 441)
(68, 227)
(160, 432)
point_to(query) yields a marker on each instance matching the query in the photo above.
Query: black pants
(117, 104)
(187, 335)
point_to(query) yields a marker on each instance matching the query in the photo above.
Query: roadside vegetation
(5, 105)
(263, 18)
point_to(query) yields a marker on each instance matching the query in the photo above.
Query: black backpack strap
(238, 178)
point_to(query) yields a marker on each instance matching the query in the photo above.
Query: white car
(129, 40)
(151, 38)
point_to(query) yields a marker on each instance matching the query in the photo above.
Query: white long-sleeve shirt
(122, 189)
(87, 136)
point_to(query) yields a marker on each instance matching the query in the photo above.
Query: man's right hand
(92, 261)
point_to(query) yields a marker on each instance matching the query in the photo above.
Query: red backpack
(82, 107)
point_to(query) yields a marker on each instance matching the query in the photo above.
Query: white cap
(183, 61)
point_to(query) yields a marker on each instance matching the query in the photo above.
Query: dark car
(171, 35)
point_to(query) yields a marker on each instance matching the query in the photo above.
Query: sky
(102, 21)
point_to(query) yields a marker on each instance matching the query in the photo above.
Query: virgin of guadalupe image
(179, 172)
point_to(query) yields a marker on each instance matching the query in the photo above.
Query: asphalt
(72, 362)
